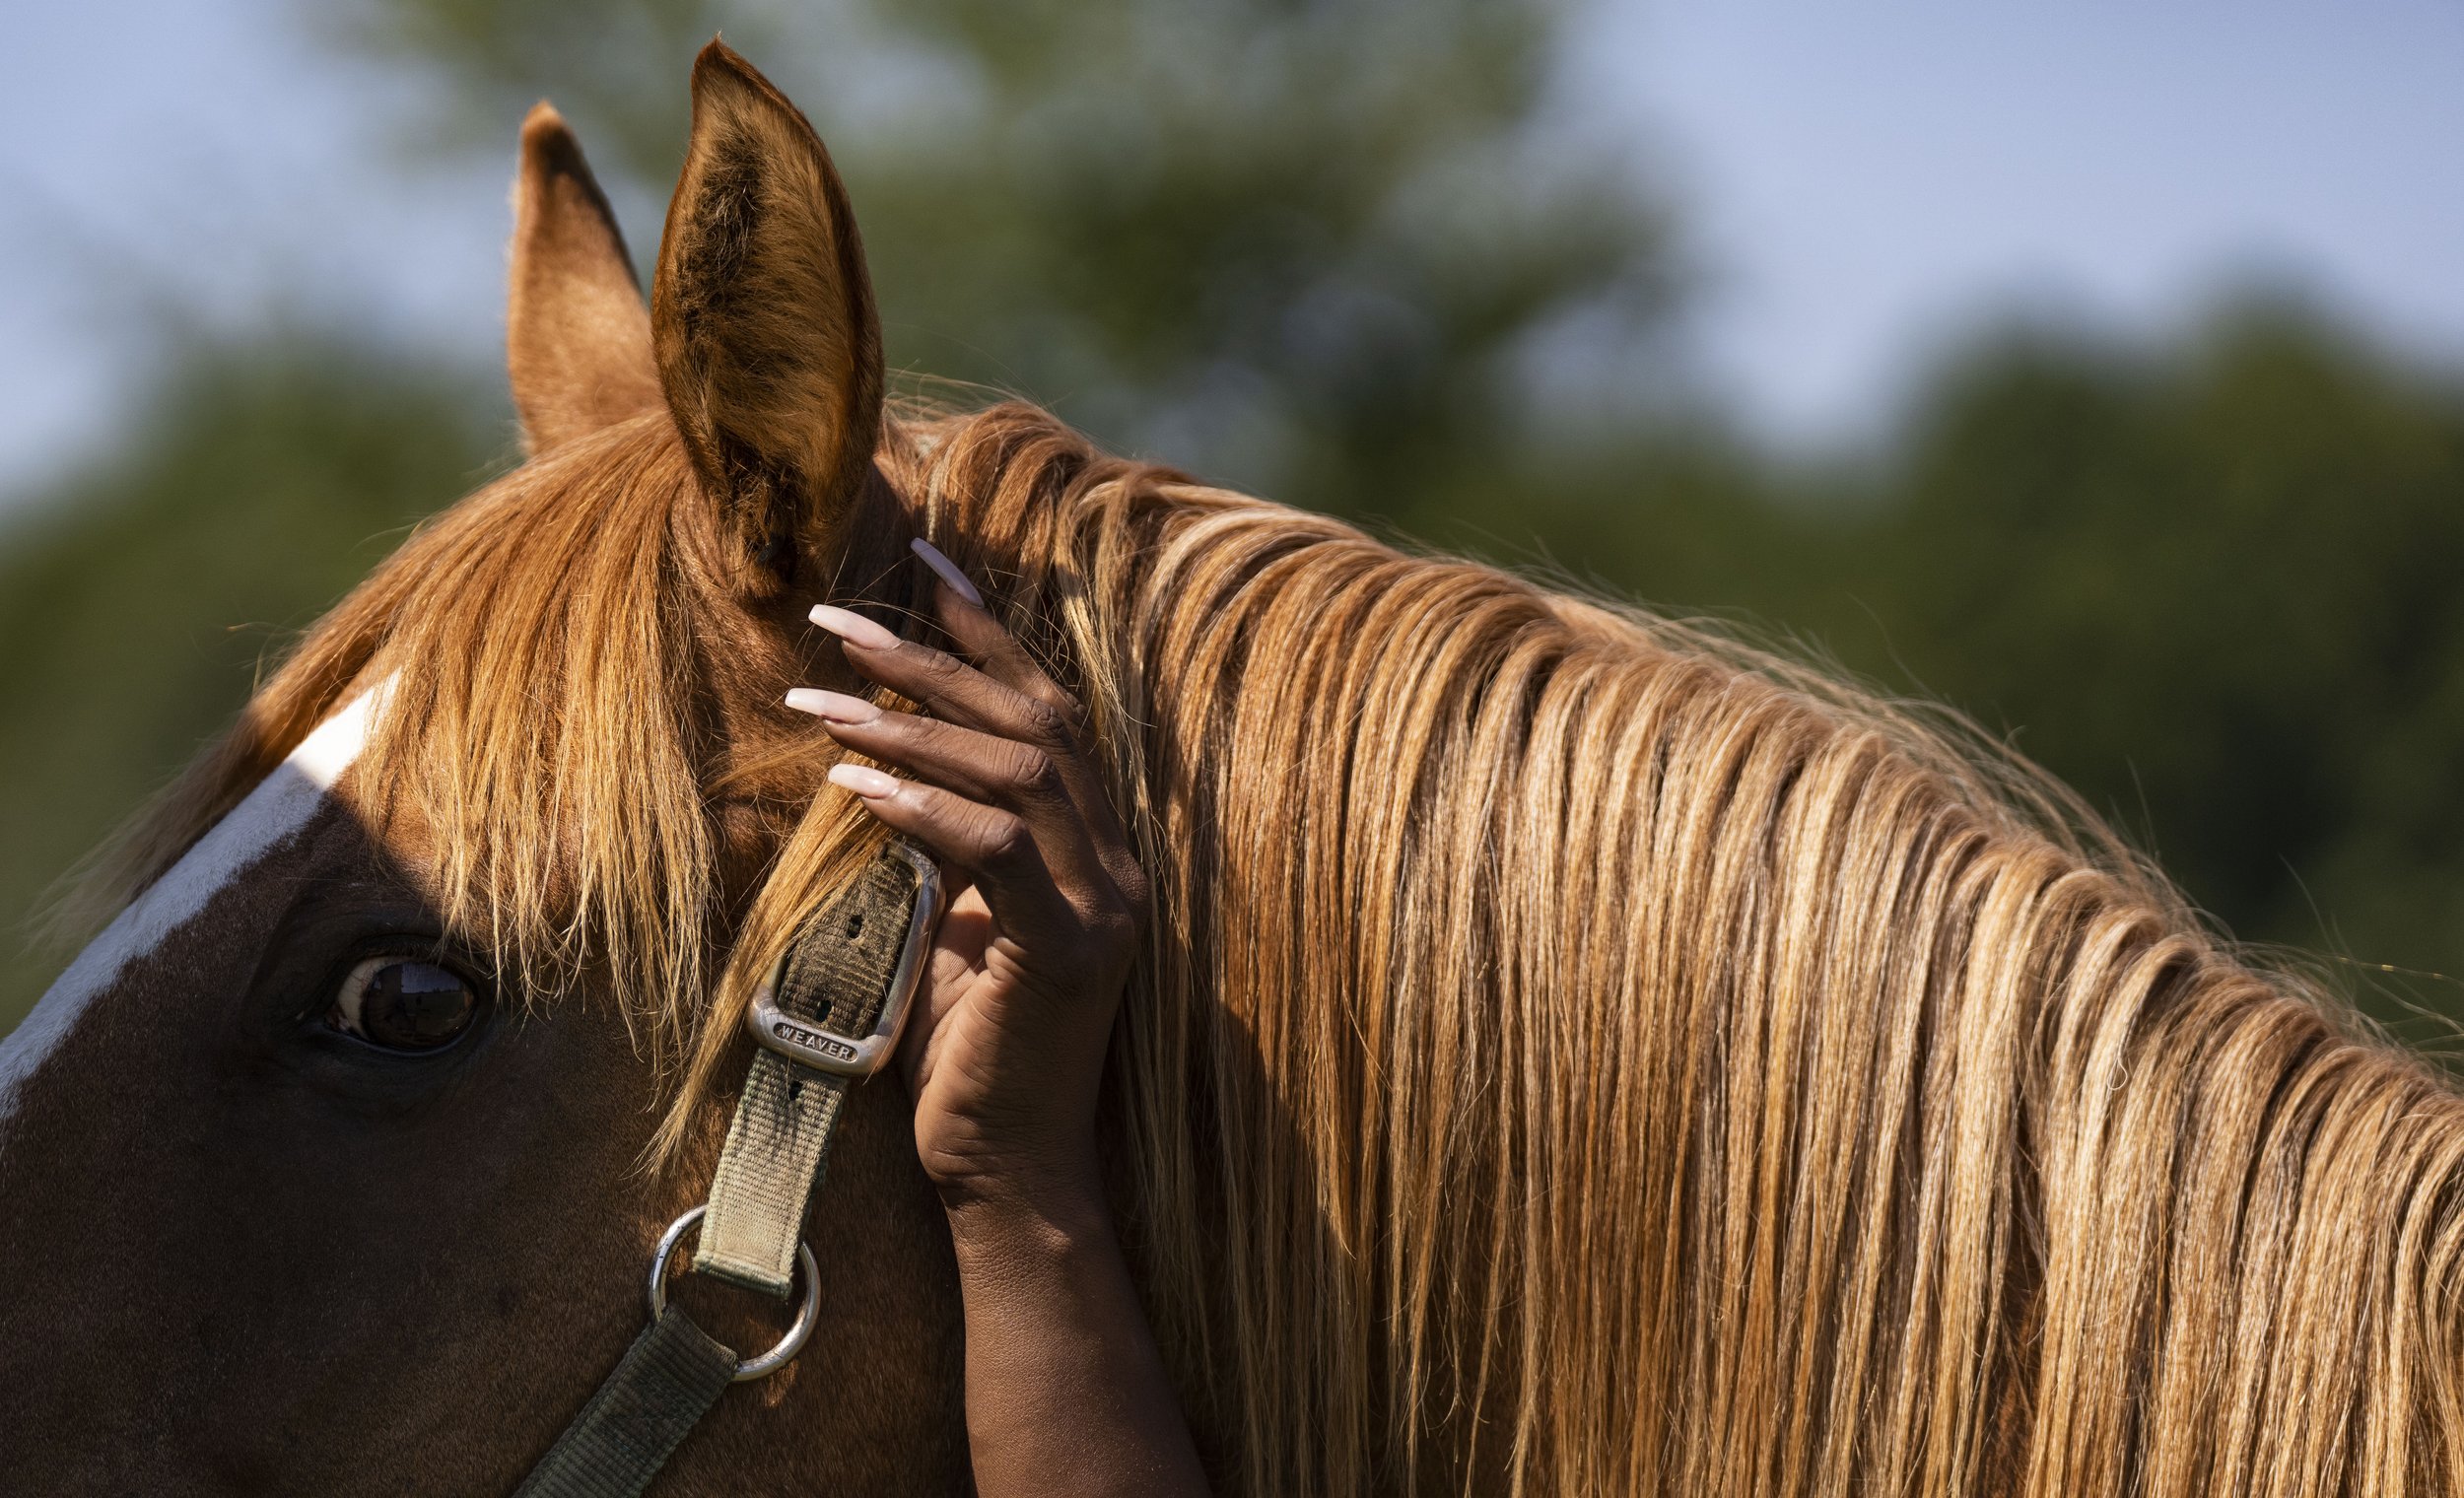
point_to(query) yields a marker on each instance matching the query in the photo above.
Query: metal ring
(789, 1346)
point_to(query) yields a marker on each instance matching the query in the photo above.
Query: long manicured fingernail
(947, 570)
(831, 707)
(865, 780)
(854, 628)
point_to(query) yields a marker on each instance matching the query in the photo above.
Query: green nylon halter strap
(835, 1001)
(669, 1378)
(838, 975)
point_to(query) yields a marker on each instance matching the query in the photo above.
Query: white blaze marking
(279, 806)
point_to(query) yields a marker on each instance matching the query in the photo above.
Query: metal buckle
(805, 1043)
(789, 1345)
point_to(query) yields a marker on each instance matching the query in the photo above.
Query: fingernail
(947, 571)
(831, 707)
(854, 628)
(865, 780)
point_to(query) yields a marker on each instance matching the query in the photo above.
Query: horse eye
(404, 1004)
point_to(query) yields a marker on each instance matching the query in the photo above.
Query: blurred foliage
(2210, 580)
(2214, 586)
(258, 486)
(1306, 246)
(1329, 250)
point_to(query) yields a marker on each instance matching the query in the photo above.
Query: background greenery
(1349, 255)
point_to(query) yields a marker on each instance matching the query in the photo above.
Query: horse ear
(576, 337)
(763, 318)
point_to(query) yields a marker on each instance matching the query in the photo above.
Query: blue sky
(1856, 183)
(1864, 179)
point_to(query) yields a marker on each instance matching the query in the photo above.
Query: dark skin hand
(1065, 1386)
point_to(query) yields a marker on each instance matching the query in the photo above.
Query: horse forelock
(1574, 1050)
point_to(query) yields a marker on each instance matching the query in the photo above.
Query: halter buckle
(805, 1043)
(778, 1357)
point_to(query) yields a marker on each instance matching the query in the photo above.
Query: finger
(982, 639)
(994, 845)
(956, 692)
(958, 946)
(1016, 777)
(948, 686)
(981, 766)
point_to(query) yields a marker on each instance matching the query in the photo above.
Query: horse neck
(1574, 1051)
(1653, 1067)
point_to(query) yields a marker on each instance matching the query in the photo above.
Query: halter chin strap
(828, 1016)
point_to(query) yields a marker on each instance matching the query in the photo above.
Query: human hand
(1048, 902)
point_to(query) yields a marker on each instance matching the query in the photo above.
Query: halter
(827, 1017)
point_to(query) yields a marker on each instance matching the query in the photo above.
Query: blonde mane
(1574, 1054)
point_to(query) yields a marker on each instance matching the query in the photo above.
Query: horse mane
(1575, 1052)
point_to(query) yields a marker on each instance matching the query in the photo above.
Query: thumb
(952, 967)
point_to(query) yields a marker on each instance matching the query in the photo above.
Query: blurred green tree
(2213, 583)
(258, 485)
(1306, 248)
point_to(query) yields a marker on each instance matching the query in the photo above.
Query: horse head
(332, 1163)
(1570, 1052)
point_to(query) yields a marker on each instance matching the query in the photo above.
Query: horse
(1571, 1051)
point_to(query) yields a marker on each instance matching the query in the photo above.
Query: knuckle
(1031, 771)
(1069, 709)
(938, 667)
(1049, 724)
(939, 737)
(1004, 837)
